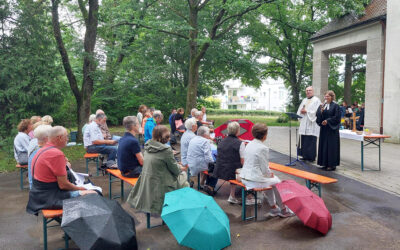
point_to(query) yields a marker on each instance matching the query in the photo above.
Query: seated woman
(160, 174)
(257, 174)
(230, 157)
(129, 155)
(21, 142)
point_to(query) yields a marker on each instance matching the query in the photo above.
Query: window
(235, 92)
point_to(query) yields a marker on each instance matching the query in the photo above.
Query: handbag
(178, 123)
(237, 173)
(22, 157)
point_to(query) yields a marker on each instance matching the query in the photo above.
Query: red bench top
(90, 155)
(52, 213)
(117, 174)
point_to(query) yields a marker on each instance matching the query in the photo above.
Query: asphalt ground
(364, 217)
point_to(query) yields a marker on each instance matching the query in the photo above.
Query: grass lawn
(269, 120)
(7, 161)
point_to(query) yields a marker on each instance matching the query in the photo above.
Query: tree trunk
(348, 75)
(194, 62)
(83, 96)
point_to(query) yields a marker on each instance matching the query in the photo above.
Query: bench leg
(21, 184)
(198, 181)
(122, 190)
(109, 186)
(148, 225)
(66, 240)
(310, 185)
(255, 205)
(44, 233)
(243, 204)
(87, 165)
(97, 166)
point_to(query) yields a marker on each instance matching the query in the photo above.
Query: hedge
(242, 112)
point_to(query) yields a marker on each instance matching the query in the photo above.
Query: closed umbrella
(94, 222)
(196, 220)
(245, 129)
(309, 207)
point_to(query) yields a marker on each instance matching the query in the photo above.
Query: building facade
(272, 95)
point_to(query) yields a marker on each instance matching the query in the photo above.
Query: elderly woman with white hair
(191, 128)
(41, 137)
(199, 117)
(199, 157)
(92, 117)
(230, 157)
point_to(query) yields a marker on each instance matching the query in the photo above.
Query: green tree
(202, 24)
(30, 75)
(283, 33)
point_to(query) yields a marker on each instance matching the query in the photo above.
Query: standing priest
(308, 130)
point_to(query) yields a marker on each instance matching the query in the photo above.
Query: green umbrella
(196, 220)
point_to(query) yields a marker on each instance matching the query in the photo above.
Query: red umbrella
(245, 129)
(306, 205)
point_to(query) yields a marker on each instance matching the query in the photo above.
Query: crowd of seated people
(153, 162)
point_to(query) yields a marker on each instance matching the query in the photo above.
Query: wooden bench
(312, 180)
(22, 170)
(206, 173)
(92, 157)
(246, 192)
(115, 175)
(49, 216)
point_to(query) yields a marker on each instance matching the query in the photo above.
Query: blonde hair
(47, 119)
(35, 119)
(332, 94)
(233, 128)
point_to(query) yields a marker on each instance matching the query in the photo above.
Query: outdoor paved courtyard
(364, 217)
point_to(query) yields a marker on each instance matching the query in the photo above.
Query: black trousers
(308, 147)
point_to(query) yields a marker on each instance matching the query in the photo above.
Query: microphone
(323, 105)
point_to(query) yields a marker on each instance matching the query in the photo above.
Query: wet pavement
(364, 217)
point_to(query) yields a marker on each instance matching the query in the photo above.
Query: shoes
(191, 184)
(209, 190)
(286, 212)
(252, 201)
(273, 212)
(330, 168)
(232, 200)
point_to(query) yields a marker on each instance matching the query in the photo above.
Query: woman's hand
(324, 122)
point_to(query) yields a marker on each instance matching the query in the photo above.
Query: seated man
(199, 157)
(104, 129)
(151, 123)
(94, 142)
(130, 158)
(50, 184)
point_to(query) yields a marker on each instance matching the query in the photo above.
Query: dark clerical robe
(329, 140)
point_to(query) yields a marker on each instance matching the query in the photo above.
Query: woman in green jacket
(160, 174)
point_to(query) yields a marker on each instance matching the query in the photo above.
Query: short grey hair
(56, 131)
(92, 117)
(129, 122)
(100, 116)
(233, 128)
(193, 111)
(157, 114)
(203, 130)
(42, 132)
(198, 113)
(189, 123)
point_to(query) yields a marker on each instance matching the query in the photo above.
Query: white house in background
(272, 95)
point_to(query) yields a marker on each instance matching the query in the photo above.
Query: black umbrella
(94, 222)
